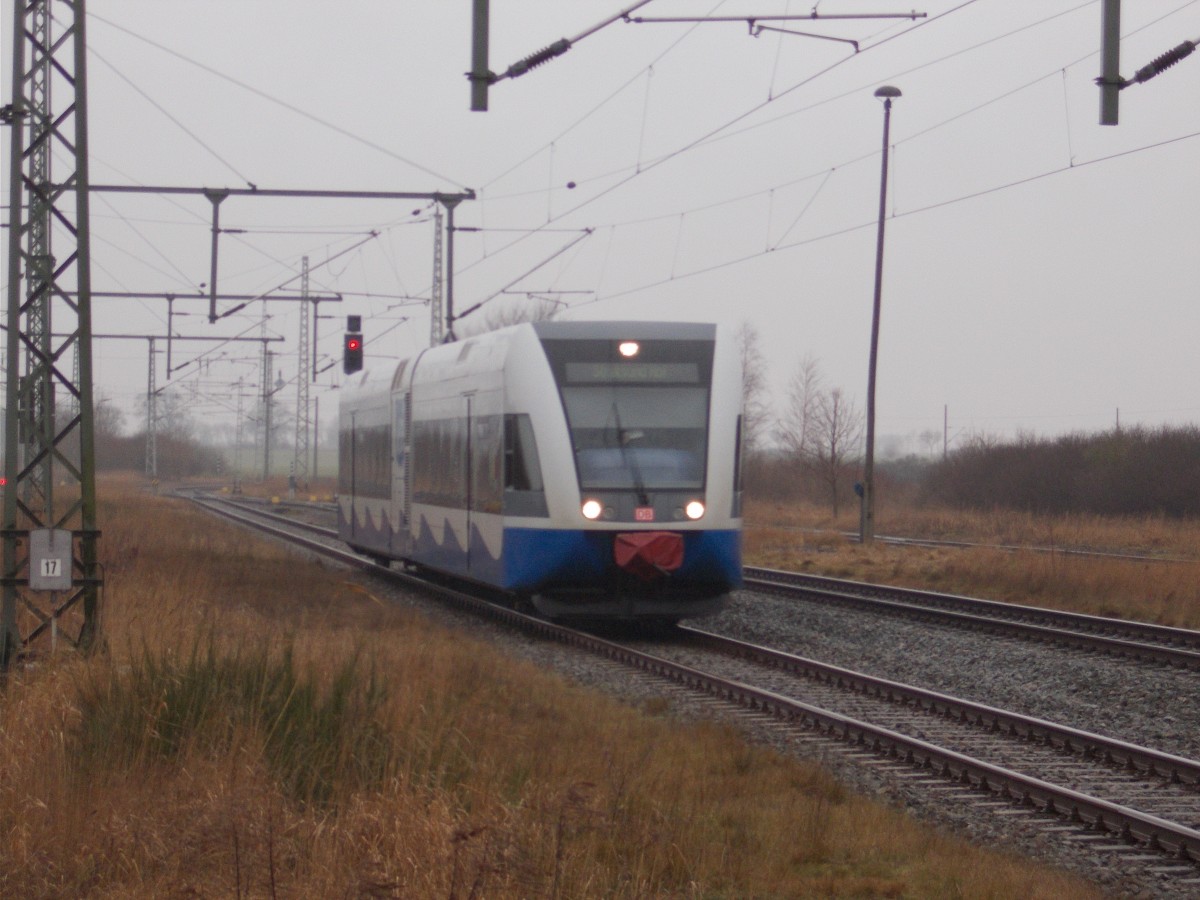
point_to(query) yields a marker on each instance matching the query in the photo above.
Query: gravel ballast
(1138, 703)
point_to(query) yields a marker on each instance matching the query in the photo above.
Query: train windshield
(637, 423)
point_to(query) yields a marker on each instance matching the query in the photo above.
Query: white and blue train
(591, 469)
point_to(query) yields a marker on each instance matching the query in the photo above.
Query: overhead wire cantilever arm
(752, 22)
(1160, 64)
(216, 196)
(756, 30)
(809, 17)
(558, 48)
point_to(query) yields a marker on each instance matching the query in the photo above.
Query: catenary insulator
(1162, 63)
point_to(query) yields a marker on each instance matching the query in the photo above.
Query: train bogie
(589, 467)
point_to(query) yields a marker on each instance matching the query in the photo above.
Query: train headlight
(591, 509)
(694, 510)
(629, 349)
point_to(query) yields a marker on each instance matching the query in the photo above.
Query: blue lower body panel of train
(575, 573)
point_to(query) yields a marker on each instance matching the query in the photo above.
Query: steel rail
(263, 511)
(1025, 790)
(1138, 640)
(1130, 824)
(1072, 629)
(1085, 552)
(1144, 760)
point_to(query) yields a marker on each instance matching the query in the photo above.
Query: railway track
(1136, 805)
(1119, 637)
(1081, 552)
(1139, 641)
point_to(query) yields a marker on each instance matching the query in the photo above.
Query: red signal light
(352, 355)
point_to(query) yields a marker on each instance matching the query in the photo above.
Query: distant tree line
(177, 457)
(816, 454)
(178, 452)
(1129, 471)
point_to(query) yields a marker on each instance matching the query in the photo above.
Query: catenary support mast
(303, 366)
(48, 118)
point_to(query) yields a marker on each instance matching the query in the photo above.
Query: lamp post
(867, 521)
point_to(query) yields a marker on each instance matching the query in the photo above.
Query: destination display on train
(632, 373)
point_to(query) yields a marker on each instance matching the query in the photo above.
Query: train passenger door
(401, 474)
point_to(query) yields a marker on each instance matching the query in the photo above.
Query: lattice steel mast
(437, 321)
(303, 376)
(152, 416)
(46, 66)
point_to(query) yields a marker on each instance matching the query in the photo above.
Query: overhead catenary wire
(640, 165)
(738, 118)
(303, 113)
(671, 215)
(726, 132)
(872, 223)
(628, 83)
(680, 214)
(466, 312)
(174, 119)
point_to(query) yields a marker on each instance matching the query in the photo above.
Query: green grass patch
(315, 737)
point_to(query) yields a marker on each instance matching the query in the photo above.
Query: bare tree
(822, 428)
(173, 414)
(755, 406)
(931, 441)
(795, 428)
(837, 437)
(981, 440)
(108, 420)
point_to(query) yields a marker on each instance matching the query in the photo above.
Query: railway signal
(352, 357)
(352, 345)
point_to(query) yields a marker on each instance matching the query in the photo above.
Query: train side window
(400, 430)
(522, 470)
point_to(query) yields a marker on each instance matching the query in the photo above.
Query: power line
(642, 169)
(275, 100)
(869, 224)
(826, 172)
(195, 137)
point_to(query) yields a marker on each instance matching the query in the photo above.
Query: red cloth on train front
(648, 554)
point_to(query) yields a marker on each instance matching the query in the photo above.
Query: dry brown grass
(501, 781)
(1165, 592)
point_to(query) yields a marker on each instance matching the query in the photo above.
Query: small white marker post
(50, 569)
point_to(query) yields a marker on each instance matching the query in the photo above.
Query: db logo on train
(643, 514)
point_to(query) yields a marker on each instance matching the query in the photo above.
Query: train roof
(448, 357)
(641, 330)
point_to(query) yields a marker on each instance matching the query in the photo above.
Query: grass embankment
(260, 726)
(804, 538)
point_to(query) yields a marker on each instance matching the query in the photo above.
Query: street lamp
(867, 521)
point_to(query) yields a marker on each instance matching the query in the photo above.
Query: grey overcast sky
(1040, 268)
